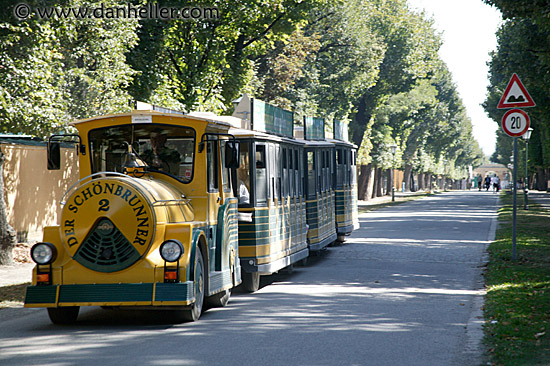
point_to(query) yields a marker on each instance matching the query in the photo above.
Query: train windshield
(164, 148)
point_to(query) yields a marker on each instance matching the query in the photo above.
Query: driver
(161, 156)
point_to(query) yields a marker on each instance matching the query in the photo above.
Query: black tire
(199, 280)
(251, 281)
(220, 299)
(288, 269)
(64, 315)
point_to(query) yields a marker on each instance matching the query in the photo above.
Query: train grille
(106, 249)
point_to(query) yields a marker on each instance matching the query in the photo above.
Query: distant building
(491, 169)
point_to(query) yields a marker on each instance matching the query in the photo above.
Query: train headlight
(171, 250)
(43, 253)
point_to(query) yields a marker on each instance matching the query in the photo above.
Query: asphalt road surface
(405, 289)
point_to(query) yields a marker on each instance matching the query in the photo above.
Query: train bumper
(136, 294)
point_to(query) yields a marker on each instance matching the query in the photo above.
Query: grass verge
(517, 305)
(13, 296)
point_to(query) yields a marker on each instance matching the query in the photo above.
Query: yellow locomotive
(151, 223)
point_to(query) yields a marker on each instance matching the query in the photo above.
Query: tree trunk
(377, 189)
(379, 182)
(407, 177)
(363, 182)
(7, 233)
(541, 179)
(420, 179)
(374, 182)
(370, 182)
(428, 181)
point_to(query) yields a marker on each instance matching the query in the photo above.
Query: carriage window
(225, 170)
(291, 172)
(212, 168)
(300, 165)
(275, 170)
(260, 175)
(243, 174)
(340, 168)
(285, 172)
(311, 173)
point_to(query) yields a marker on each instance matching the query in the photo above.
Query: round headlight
(43, 253)
(171, 250)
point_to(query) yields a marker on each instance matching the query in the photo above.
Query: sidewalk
(540, 197)
(385, 199)
(16, 274)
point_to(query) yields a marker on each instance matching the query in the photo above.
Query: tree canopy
(373, 63)
(523, 40)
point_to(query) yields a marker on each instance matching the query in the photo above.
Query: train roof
(245, 133)
(225, 121)
(238, 127)
(341, 142)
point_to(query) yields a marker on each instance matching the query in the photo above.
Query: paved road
(405, 289)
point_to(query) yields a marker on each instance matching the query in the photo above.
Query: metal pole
(514, 181)
(392, 185)
(526, 180)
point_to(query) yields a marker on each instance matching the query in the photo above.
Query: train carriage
(272, 216)
(272, 223)
(151, 223)
(320, 197)
(345, 188)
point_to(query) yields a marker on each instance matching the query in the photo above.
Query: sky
(468, 30)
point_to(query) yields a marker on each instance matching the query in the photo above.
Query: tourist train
(173, 210)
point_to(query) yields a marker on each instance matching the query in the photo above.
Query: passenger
(244, 193)
(161, 156)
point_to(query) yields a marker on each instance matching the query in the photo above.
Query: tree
(58, 70)
(206, 63)
(521, 50)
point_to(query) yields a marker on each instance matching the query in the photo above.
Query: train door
(223, 265)
(214, 199)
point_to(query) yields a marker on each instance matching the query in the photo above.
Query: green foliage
(521, 50)
(59, 70)
(372, 62)
(204, 64)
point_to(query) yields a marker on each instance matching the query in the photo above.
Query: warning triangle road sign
(515, 95)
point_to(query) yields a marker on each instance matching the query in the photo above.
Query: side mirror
(54, 155)
(231, 154)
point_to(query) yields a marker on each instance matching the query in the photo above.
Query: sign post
(515, 123)
(514, 213)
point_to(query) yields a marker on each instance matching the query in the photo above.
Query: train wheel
(65, 315)
(194, 313)
(220, 299)
(251, 281)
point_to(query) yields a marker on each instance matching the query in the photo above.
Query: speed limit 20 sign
(515, 122)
